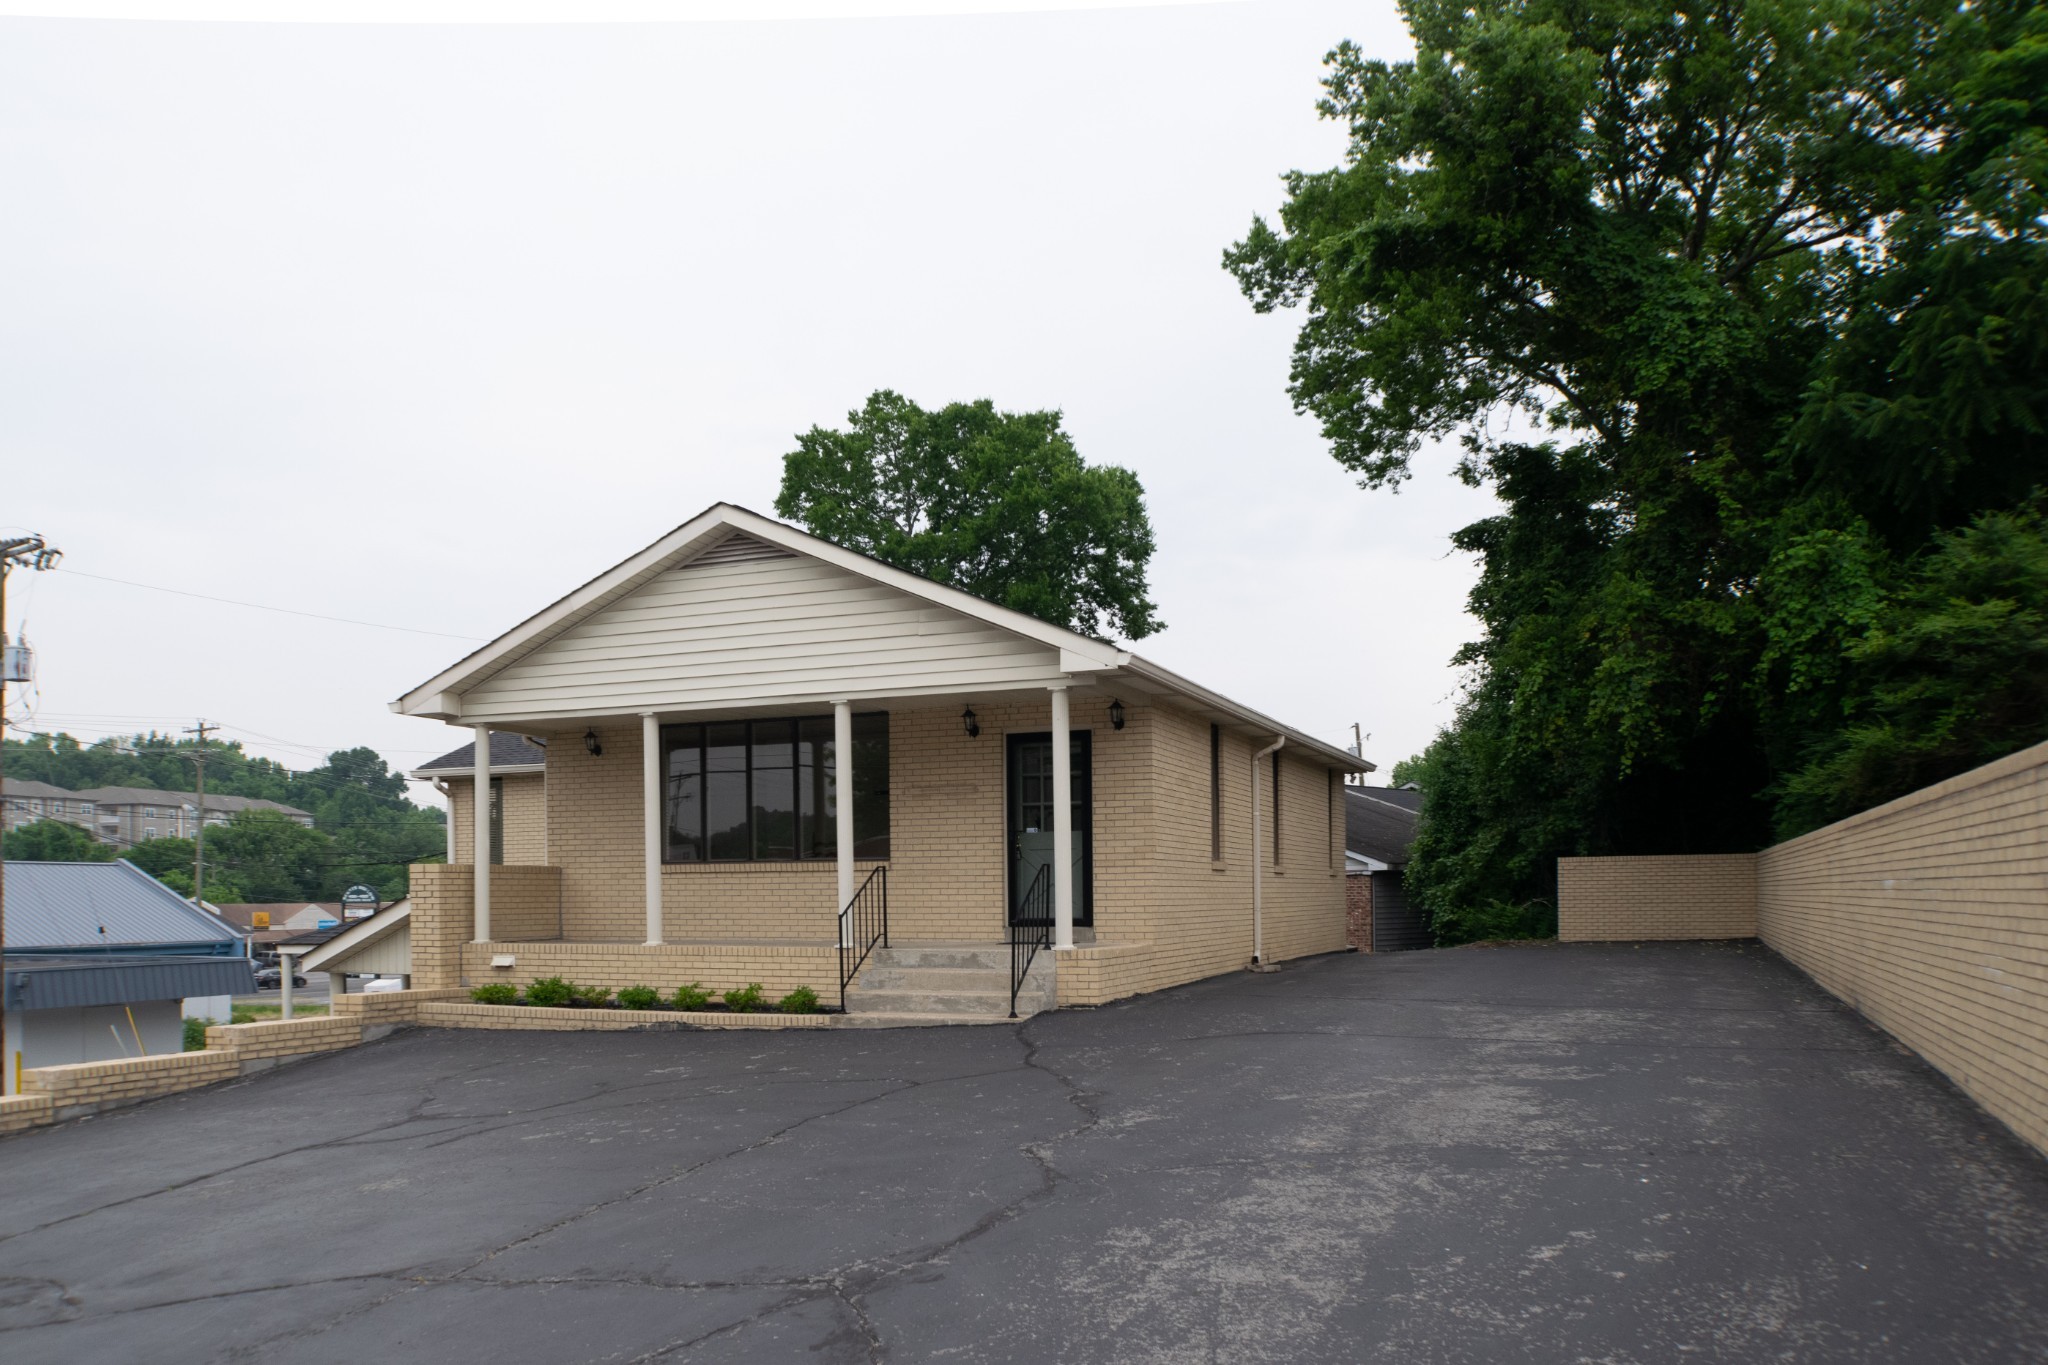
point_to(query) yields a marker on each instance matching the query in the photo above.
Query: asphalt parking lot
(1589, 1153)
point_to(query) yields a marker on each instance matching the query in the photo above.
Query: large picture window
(768, 790)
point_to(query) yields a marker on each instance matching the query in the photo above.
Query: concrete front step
(986, 957)
(883, 977)
(865, 1020)
(949, 981)
(928, 1002)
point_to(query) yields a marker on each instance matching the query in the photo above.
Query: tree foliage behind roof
(998, 504)
(1761, 286)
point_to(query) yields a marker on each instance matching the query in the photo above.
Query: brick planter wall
(275, 1038)
(454, 1015)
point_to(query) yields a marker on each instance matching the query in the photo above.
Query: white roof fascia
(497, 770)
(1371, 864)
(440, 696)
(357, 936)
(1343, 759)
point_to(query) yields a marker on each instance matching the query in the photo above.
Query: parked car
(272, 979)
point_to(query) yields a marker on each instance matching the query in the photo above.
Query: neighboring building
(27, 802)
(130, 815)
(699, 704)
(519, 828)
(101, 960)
(1379, 827)
(376, 945)
(279, 920)
(124, 816)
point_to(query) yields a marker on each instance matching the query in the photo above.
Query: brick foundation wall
(1358, 912)
(780, 968)
(1686, 896)
(1930, 915)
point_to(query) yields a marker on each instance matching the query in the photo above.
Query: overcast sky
(425, 325)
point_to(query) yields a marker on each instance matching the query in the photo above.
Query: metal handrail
(863, 922)
(1030, 930)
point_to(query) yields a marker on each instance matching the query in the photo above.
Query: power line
(262, 606)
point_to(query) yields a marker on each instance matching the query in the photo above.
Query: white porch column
(1062, 823)
(842, 792)
(650, 801)
(480, 820)
(286, 965)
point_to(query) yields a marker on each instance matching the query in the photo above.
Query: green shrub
(802, 1000)
(591, 997)
(639, 998)
(496, 993)
(195, 1034)
(691, 997)
(550, 991)
(748, 999)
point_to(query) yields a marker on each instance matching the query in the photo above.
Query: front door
(1030, 820)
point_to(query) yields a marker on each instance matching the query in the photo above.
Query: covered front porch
(723, 847)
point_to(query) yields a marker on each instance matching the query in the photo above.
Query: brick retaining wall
(1688, 896)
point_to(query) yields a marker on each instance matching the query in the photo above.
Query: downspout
(1259, 963)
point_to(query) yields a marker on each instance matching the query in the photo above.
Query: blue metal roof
(107, 908)
(47, 983)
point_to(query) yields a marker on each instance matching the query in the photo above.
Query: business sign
(328, 924)
(259, 919)
(359, 902)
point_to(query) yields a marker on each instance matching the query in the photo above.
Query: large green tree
(998, 504)
(1739, 309)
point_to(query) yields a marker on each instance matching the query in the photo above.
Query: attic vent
(739, 548)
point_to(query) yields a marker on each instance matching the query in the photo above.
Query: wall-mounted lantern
(590, 743)
(1116, 714)
(972, 726)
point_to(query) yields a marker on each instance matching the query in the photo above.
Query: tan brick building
(677, 806)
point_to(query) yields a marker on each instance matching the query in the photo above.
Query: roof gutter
(1259, 963)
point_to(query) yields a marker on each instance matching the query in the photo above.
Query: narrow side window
(1216, 792)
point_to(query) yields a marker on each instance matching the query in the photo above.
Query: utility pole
(16, 552)
(202, 729)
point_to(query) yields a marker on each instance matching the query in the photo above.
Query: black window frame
(812, 834)
(496, 796)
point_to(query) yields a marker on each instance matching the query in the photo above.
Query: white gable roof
(733, 609)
